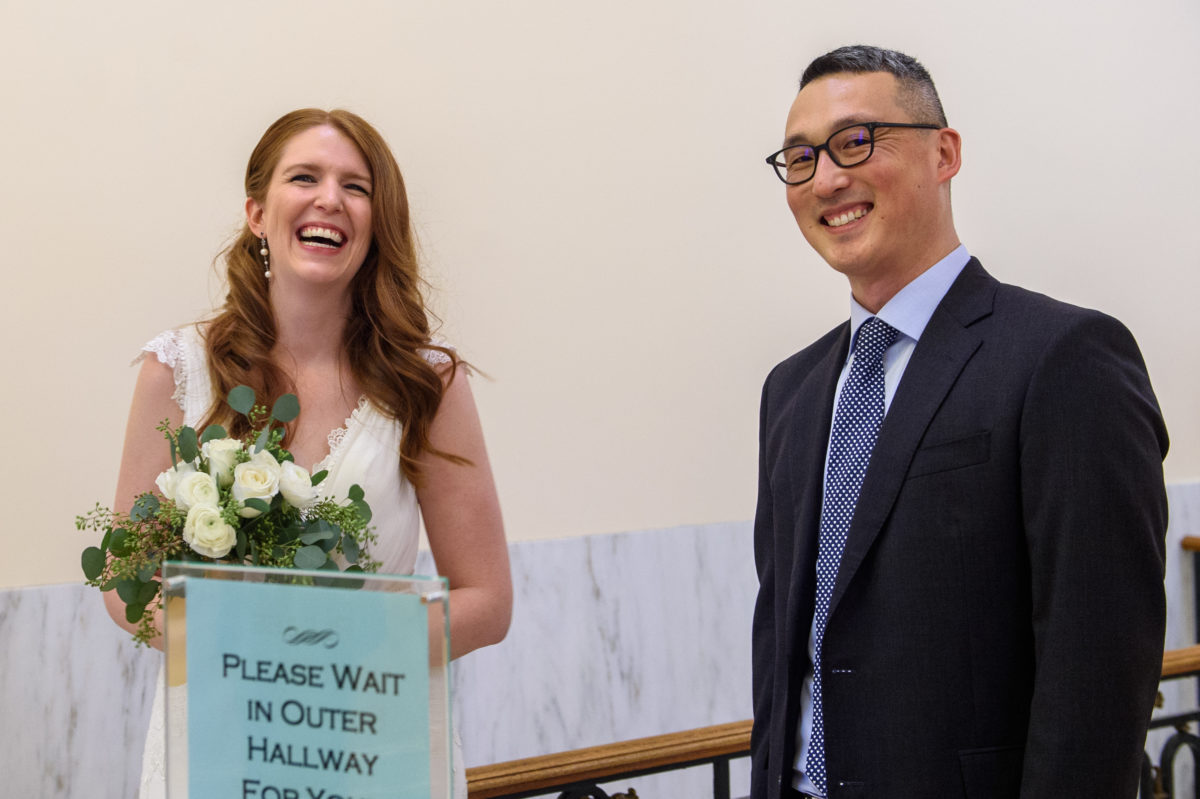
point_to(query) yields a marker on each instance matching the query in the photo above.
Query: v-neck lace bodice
(337, 436)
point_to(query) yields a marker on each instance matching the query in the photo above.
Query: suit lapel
(809, 419)
(946, 345)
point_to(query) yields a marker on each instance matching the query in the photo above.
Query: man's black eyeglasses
(848, 147)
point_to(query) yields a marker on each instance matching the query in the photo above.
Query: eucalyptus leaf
(93, 562)
(312, 538)
(310, 557)
(240, 547)
(213, 432)
(263, 439)
(146, 573)
(189, 447)
(241, 399)
(350, 548)
(286, 408)
(106, 540)
(319, 476)
(147, 592)
(134, 613)
(328, 544)
(318, 530)
(128, 590)
(260, 505)
(110, 584)
(144, 507)
(119, 546)
(364, 510)
(355, 493)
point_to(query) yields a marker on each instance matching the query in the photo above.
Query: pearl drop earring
(265, 253)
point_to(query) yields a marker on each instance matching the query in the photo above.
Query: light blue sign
(299, 692)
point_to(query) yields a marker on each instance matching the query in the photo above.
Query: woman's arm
(462, 518)
(144, 457)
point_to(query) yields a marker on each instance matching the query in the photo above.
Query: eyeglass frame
(870, 126)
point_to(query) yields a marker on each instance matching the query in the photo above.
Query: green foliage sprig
(225, 500)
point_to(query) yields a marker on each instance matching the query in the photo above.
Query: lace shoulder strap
(183, 351)
(437, 357)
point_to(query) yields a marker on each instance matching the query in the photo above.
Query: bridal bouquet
(225, 500)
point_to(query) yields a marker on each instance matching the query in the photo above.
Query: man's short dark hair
(918, 95)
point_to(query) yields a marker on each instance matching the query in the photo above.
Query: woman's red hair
(388, 324)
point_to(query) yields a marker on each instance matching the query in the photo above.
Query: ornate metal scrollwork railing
(1158, 782)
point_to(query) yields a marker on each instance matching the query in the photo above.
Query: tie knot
(874, 337)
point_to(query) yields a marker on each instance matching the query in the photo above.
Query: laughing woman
(324, 302)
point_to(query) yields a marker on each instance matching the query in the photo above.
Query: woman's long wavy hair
(388, 324)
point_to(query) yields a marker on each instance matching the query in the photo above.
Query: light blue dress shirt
(909, 312)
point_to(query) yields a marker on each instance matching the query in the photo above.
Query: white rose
(295, 483)
(257, 478)
(207, 532)
(221, 454)
(168, 481)
(196, 488)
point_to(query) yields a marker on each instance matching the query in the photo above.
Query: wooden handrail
(1177, 662)
(593, 763)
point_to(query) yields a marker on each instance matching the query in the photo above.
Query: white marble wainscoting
(75, 696)
(614, 637)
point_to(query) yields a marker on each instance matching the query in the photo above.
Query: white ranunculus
(295, 483)
(168, 481)
(221, 454)
(257, 478)
(196, 488)
(207, 532)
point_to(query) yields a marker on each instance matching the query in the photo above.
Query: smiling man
(961, 511)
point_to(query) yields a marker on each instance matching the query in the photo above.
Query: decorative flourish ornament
(266, 254)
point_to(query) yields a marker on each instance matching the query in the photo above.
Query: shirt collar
(910, 310)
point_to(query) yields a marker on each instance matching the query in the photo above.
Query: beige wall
(589, 191)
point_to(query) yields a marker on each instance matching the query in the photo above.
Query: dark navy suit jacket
(996, 628)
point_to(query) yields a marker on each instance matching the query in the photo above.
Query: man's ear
(254, 216)
(949, 154)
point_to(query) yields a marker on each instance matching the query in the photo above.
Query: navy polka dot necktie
(855, 428)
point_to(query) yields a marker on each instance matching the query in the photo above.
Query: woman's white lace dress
(365, 451)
